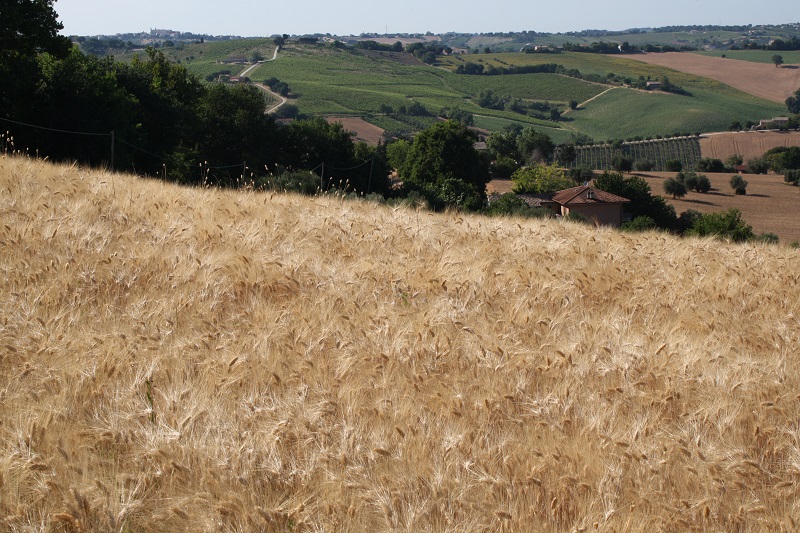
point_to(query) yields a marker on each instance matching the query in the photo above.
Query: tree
(673, 165)
(675, 188)
(510, 204)
(793, 102)
(444, 167)
(620, 163)
(778, 60)
(710, 165)
(535, 146)
(573, 104)
(567, 154)
(739, 184)
(642, 201)
(540, 179)
(27, 28)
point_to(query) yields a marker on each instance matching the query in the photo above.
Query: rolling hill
(196, 359)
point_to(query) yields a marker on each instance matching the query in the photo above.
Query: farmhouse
(601, 207)
(653, 85)
(776, 122)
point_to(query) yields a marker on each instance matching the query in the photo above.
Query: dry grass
(197, 360)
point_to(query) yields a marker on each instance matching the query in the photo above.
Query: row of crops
(658, 152)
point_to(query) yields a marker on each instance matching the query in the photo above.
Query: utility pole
(112, 149)
(322, 177)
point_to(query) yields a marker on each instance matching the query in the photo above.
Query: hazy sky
(344, 17)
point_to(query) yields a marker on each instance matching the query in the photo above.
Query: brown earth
(769, 206)
(748, 144)
(369, 133)
(759, 79)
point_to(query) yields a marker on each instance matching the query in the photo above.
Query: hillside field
(759, 79)
(325, 80)
(176, 359)
(769, 205)
(748, 144)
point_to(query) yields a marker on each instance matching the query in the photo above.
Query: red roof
(587, 195)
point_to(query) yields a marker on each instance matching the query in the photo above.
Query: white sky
(345, 17)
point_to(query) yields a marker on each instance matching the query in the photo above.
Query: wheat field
(176, 359)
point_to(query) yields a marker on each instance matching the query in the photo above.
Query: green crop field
(325, 80)
(626, 113)
(756, 56)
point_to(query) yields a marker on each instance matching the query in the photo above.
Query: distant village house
(601, 207)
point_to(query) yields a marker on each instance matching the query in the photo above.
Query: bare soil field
(759, 79)
(193, 359)
(369, 133)
(770, 205)
(748, 144)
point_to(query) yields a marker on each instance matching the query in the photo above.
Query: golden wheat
(181, 359)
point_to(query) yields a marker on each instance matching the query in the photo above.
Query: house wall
(600, 214)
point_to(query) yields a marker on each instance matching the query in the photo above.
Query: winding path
(263, 87)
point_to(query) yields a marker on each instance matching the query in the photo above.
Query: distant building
(653, 85)
(601, 207)
(773, 123)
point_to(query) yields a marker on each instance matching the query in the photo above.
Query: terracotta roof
(587, 195)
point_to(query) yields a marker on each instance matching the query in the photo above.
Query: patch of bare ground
(759, 79)
(770, 205)
(369, 133)
(748, 144)
(176, 359)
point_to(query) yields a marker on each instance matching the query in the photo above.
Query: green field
(328, 80)
(627, 113)
(756, 56)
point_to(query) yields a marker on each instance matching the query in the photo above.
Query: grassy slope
(183, 359)
(623, 113)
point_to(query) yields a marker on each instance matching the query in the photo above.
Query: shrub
(510, 204)
(792, 176)
(642, 223)
(727, 225)
(644, 165)
(673, 165)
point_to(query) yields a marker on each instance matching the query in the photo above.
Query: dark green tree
(793, 102)
(739, 184)
(535, 146)
(566, 154)
(777, 59)
(675, 187)
(642, 201)
(27, 28)
(443, 165)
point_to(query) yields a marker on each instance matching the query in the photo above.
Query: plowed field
(758, 79)
(748, 144)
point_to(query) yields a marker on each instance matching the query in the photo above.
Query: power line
(54, 129)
